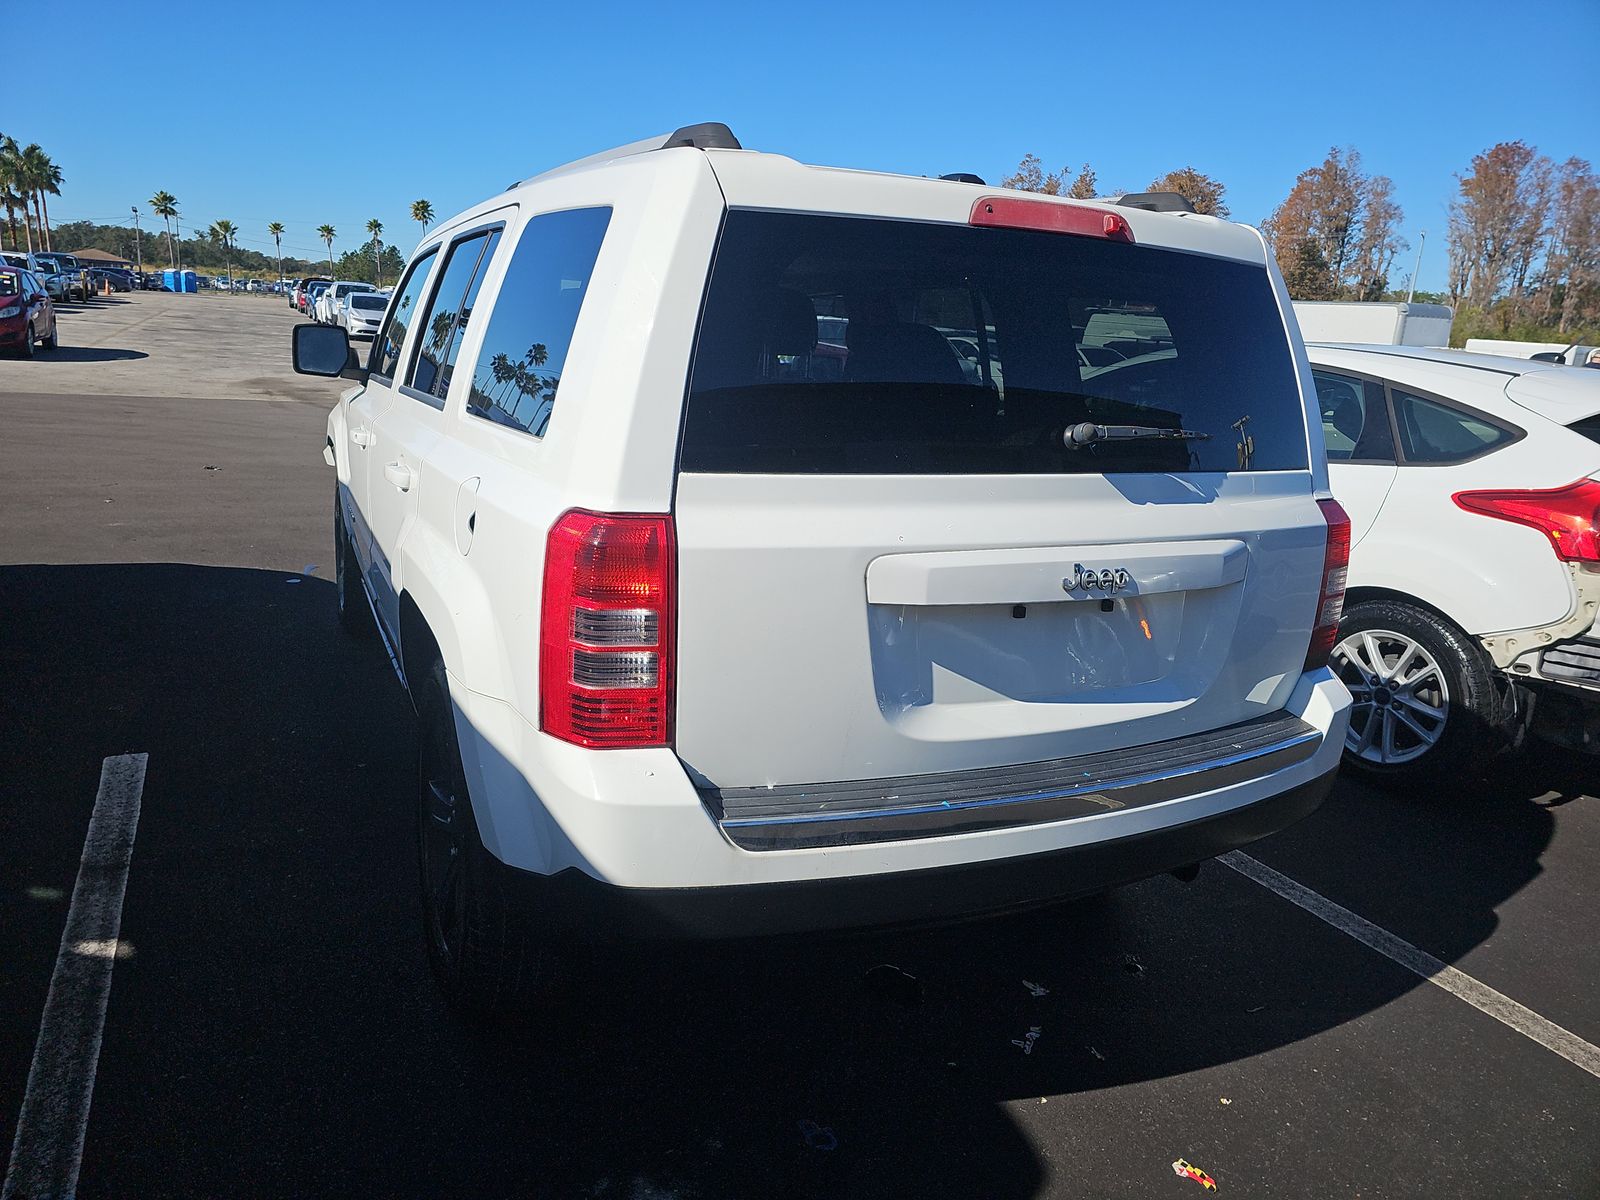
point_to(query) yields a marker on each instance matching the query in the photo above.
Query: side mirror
(326, 350)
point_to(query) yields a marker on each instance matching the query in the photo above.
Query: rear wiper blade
(1076, 437)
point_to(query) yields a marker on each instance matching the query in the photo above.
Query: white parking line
(1480, 995)
(55, 1106)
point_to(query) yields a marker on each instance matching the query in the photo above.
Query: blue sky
(336, 112)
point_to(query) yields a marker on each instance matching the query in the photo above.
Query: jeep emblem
(1085, 579)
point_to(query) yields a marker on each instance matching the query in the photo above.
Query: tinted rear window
(367, 300)
(846, 345)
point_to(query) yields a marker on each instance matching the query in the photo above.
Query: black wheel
(26, 349)
(53, 342)
(354, 615)
(482, 943)
(1427, 703)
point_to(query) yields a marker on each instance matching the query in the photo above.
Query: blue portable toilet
(179, 281)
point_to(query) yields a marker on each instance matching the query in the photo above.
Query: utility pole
(138, 246)
(1422, 240)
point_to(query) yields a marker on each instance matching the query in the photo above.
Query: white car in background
(362, 313)
(1473, 488)
(331, 302)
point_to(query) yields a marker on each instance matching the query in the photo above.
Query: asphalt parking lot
(272, 1029)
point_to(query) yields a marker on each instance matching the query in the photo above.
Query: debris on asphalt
(1256, 1009)
(1132, 965)
(1096, 1053)
(1185, 1170)
(1026, 1041)
(818, 1137)
(891, 982)
(209, 467)
(1225, 1100)
(1035, 988)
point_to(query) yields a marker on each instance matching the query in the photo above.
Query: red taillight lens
(1009, 212)
(1335, 572)
(1569, 516)
(607, 641)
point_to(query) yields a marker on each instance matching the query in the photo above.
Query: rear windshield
(846, 345)
(368, 300)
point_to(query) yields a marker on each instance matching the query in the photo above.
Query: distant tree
(1306, 273)
(165, 206)
(224, 232)
(1572, 266)
(1030, 177)
(375, 231)
(34, 169)
(422, 214)
(1198, 188)
(1083, 187)
(1353, 221)
(1498, 222)
(276, 231)
(11, 187)
(327, 233)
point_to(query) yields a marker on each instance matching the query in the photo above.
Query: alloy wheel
(1401, 699)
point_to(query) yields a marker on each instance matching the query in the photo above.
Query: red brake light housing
(607, 630)
(1335, 573)
(1569, 516)
(1012, 212)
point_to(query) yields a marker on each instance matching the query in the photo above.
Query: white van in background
(1374, 323)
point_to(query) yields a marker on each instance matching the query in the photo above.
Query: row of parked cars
(769, 548)
(354, 306)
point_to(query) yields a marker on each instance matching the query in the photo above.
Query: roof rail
(963, 177)
(1151, 201)
(708, 135)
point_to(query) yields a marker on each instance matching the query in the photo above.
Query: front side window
(854, 346)
(391, 341)
(1431, 432)
(525, 344)
(445, 323)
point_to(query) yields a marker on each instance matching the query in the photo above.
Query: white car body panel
(1486, 575)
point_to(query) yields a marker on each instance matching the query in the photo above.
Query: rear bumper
(633, 819)
(584, 908)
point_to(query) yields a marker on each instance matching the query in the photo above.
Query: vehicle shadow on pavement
(67, 353)
(278, 996)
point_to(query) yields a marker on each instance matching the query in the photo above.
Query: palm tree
(276, 230)
(165, 206)
(50, 185)
(375, 228)
(35, 166)
(224, 232)
(422, 214)
(327, 233)
(10, 187)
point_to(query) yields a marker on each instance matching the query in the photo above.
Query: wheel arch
(1367, 595)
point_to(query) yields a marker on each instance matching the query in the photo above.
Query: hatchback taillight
(1569, 516)
(1335, 573)
(607, 640)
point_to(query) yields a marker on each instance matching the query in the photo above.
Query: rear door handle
(398, 474)
(361, 437)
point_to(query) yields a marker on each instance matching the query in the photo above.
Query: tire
(355, 616)
(1429, 706)
(483, 945)
(26, 349)
(53, 342)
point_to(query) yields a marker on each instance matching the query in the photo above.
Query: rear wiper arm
(1088, 433)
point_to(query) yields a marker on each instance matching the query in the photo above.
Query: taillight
(1569, 516)
(1010, 212)
(607, 640)
(1335, 572)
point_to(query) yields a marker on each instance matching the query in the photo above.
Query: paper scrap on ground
(1186, 1170)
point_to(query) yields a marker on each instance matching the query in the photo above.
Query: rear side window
(1431, 432)
(445, 323)
(1355, 418)
(387, 346)
(854, 346)
(530, 328)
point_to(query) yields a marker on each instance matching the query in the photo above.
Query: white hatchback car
(714, 628)
(331, 302)
(1473, 488)
(362, 313)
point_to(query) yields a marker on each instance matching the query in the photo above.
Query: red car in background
(27, 314)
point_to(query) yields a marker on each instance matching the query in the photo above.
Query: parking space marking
(1437, 972)
(55, 1104)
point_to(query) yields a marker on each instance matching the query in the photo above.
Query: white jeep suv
(716, 628)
